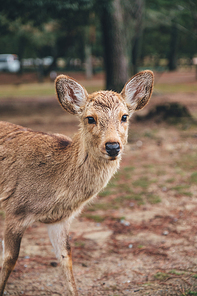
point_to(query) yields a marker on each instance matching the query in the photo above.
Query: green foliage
(161, 276)
(40, 28)
(48, 27)
(167, 21)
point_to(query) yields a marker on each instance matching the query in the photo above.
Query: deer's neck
(87, 176)
(82, 176)
(95, 171)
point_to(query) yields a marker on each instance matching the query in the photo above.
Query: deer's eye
(124, 118)
(91, 120)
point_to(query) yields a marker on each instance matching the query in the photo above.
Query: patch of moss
(102, 206)
(187, 193)
(180, 187)
(161, 276)
(188, 162)
(124, 187)
(170, 180)
(148, 166)
(193, 177)
(161, 172)
(95, 218)
(143, 182)
(126, 172)
(153, 199)
(181, 190)
(187, 293)
(79, 244)
(135, 196)
(140, 246)
(174, 271)
(129, 169)
(105, 193)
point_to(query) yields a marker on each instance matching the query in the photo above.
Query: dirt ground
(140, 235)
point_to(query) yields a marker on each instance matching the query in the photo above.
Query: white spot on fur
(3, 248)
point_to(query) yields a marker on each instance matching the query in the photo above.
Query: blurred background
(139, 237)
(114, 37)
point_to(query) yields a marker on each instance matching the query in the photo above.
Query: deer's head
(104, 115)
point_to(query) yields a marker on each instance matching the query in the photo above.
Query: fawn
(49, 177)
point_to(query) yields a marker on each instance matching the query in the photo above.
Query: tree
(116, 65)
(76, 25)
(173, 47)
(170, 29)
(41, 27)
(138, 34)
(130, 30)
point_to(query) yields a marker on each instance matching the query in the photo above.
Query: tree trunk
(172, 57)
(88, 51)
(137, 40)
(22, 41)
(115, 59)
(88, 61)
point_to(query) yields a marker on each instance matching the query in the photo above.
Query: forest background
(119, 37)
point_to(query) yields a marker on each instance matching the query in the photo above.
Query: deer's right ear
(71, 95)
(137, 91)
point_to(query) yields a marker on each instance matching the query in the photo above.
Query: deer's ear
(71, 95)
(137, 91)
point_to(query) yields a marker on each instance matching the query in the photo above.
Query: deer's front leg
(11, 245)
(58, 234)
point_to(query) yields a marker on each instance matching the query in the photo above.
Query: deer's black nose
(112, 149)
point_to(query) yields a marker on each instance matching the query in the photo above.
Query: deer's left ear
(137, 91)
(71, 95)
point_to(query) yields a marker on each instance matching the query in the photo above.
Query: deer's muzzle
(112, 149)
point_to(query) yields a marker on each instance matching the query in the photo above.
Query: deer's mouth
(111, 158)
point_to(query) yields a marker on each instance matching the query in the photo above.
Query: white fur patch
(58, 233)
(3, 248)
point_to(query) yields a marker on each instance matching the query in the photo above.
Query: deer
(50, 178)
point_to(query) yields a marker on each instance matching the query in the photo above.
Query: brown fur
(49, 178)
